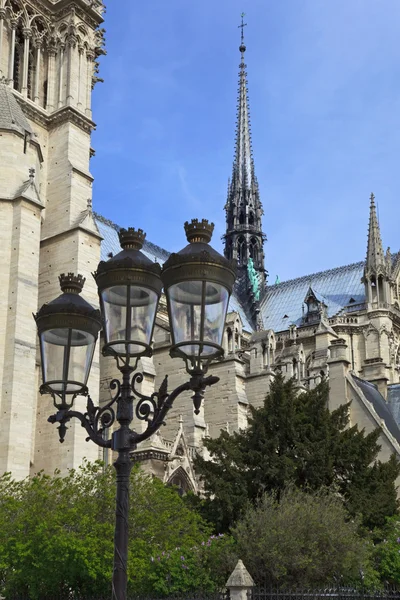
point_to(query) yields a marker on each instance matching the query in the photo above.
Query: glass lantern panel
(67, 356)
(216, 305)
(54, 343)
(80, 360)
(129, 312)
(114, 310)
(186, 305)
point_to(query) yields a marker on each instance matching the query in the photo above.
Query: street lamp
(198, 282)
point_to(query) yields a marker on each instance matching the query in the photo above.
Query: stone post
(61, 78)
(27, 36)
(51, 76)
(240, 582)
(37, 72)
(12, 53)
(89, 82)
(2, 17)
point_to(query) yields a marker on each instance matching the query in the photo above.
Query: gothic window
(251, 218)
(180, 480)
(31, 74)
(295, 369)
(18, 59)
(242, 218)
(253, 250)
(230, 339)
(241, 249)
(229, 249)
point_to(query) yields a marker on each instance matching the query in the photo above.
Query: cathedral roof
(11, 114)
(379, 404)
(282, 304)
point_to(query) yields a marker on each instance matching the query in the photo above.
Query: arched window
(251, 218)
(18, 59)
(242, 217)
(31, 74)
(253, 250)
(241, 249)
(181, 481)
(228, 251)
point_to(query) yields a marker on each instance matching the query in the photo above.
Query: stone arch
(241, 249)
(181, 480)
(254, 250)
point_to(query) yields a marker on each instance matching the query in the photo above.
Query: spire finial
(375, 255)
(242, 47)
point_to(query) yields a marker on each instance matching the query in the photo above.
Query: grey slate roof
(110, 243)
(283, 302)
(11, 114)
(382, 409)
(109, 232)
(394, 401)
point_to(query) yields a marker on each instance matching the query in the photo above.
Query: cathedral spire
(244, 238)
(243, 165)
(375, 255)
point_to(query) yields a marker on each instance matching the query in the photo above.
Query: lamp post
(197, 282)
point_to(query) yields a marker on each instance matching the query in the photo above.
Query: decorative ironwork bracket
(125, 401)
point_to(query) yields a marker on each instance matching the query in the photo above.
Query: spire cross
(242, 26)
(372, 197)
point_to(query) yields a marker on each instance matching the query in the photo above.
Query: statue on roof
(254, 281)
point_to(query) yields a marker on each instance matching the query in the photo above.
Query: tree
(305, 539)
(387, 552)
(57, 536)
(295, 439)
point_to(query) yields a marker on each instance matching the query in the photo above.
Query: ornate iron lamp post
(198, 282)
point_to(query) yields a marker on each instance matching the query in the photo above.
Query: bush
(304, 539)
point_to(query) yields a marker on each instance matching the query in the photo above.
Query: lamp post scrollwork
(197, 282)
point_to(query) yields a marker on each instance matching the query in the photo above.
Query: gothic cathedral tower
(244, 238)
(48, 66)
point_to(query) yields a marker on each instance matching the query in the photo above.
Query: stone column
(61, 75)
(27, 38)
(12, 53)
(51, 78)
(89, 77)
(2, 16)
(37, 72)
(240, 583)
(70, 56)
(80, 77)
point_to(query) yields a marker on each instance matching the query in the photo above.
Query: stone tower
(48, 52)
(244, 238)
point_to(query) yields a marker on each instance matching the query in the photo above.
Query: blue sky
(324, 86)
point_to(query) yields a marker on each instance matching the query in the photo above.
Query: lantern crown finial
(199, 231)
(131, 238)
(71, 283)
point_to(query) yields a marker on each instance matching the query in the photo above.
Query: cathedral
(342, 324)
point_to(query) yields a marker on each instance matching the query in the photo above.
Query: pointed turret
(377, 268)
(244, 238)
(375, 255)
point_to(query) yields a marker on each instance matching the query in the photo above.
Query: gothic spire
(375, 256)
(244, 239)
(243, 177)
